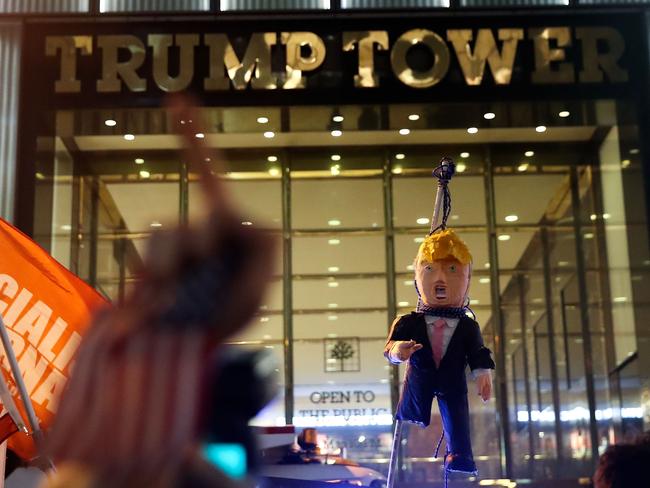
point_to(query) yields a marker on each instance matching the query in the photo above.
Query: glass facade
(546, 196)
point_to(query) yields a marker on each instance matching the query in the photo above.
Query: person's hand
(404, 349)
(484, 386)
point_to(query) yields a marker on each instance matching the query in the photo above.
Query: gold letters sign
(123, 57)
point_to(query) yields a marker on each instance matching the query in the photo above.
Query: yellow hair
(444, 244)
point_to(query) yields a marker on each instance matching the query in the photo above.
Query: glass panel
(511, 3)
(43, 6)
(227, 5)
(106, 6)
(393, 3)
(341, 254)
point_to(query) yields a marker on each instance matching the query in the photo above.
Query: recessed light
(634, 150)
(511, 218)
(540, 128)
(397, 170)
(333, 284)
(564, 113)
(606, 216)
(418, 240)
(399, 156)
(410, 267)
(334, 242)
(472, 130)
(489, 115)
(335, 157)
(563, 263)
(264, 319)
(620, 299)
(333, 222)
(504, 237)
(422, 221)
(625, 163)
(199, 135)
(266, 336)
(332, 317)
(474, 302)
(484, 280)
(522, 167)
(408, 282)
(454, 217)
(144, 174)
(589, 235)
(110, 123)
(402, 304)
(486, 265)
(66, 227)
(404, 132)
(39, 175)
(155, 223)
(274, 171)
(247, 222)
(129, 137)
(333, 269)
(529, 154)
(272, 159)
(461, 167)
(138, 161)
(414, 117)
(332, 305)
(338, 118)
(269, 134)
(593, 217)
(335, 169)
(207, 160)
(336, 133)
(333, 336)
(262, 120)
(464, 155)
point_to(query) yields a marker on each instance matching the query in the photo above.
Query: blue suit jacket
(423, 379)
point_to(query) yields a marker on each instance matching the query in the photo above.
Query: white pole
(3, 463)
(18, 378)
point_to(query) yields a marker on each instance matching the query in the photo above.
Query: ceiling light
(522, 167)
(333, 284)
(207, 160)
(474, 302)
(593, 217)
(138, 161)
(269, 134)
(461, 167)
(472, 130)
(564, 113)
(489, 115)
(247, 222)
(66, 227)
(144, 174)
(606, 216)
(199, 135)
(333, 269)
(335, 157)
(272, 159)
(155, 223)
(334, 222)
(399, 156)
(511, 218)
(414, 117)
(454, 217)
(110, 123)
(332, 305)
(589, 235)
(267, 336)
(484, 280)
(39, 175)
(625, 163)
(529, 154)
(264, 319)
(334, 242)
(397, 170)
(504, 237)
(634, 150)
(262, 120)
(464, 155)
(402, 304)
(335, 169)
(338, 118)
(410, 267)
(422, 221)
(336, 133)
(540, 128)
(487, 265)
(404, 132)
(563, 263)
(418, 240)
(274, 171)
(332, 317)
(620, 299)
(409, 283)
(129, 137)
(333, 336)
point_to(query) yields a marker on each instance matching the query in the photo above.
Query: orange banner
(46, 309)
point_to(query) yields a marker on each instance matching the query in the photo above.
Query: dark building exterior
(330, 116)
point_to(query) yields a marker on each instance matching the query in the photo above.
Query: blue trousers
(454, 410)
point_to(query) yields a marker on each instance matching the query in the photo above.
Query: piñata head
(443, 267)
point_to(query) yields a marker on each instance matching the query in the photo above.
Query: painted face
(443, 282)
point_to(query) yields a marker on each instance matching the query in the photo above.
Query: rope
(442, 436)
(443, 172)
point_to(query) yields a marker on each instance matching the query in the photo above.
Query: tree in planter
(342, 350)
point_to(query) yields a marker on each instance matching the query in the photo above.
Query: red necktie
(438, 335)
